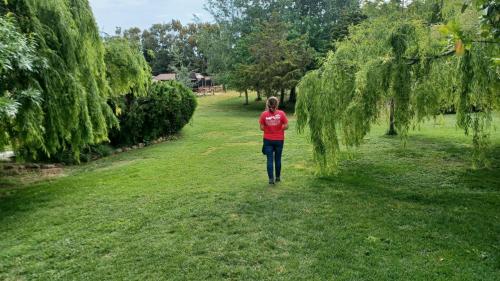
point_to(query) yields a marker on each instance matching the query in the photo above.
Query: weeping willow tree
(408, 66)
(73, 86)
(126, 68)
(20, 97)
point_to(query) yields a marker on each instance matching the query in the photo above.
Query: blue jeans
(273, 150)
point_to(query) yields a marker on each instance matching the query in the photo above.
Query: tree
(276, 62)
(171, 46)
(396, 59)
(73, 86)
(21, 113)
(216, 44)
(126, 69)
(311, 25)
(490, 19)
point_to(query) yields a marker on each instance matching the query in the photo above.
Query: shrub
(102, 150)
(166, 109)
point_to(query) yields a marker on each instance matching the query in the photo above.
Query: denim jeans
(273, 150)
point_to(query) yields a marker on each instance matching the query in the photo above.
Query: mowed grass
(200, 208)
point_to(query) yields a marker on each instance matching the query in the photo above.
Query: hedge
(166, 109)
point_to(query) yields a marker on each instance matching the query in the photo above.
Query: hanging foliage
(73, 86)
(397, 62)
(126, 68)
(20, 99)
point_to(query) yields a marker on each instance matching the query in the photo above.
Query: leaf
(9, 107)
(465, 5)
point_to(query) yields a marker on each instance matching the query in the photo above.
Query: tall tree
(171, 46)
(398, 59)
(317, 23)
(73, 87)
(21, 113)
(276, 62)
(126, 69)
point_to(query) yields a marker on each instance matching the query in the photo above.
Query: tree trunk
(392, 128)
(246, 97)
(282, 98)
(259, 98)
(293, 95)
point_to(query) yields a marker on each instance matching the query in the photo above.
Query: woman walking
(274, 123)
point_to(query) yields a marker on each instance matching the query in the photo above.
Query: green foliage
(320, 21)
(215, 42)
(73, 86)
(297, 33)
(346, 95)
(126, 69)
(21, 112)
(393, 59)
(164, 111)
(490, 17)
(183, 75)
(275, 63)
(170, 46)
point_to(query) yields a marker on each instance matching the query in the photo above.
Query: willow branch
(414, 60)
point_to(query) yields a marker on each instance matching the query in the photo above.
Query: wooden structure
(200, 81)
(202, 85)
(165, 77)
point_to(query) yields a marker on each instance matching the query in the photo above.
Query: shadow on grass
(420, 174)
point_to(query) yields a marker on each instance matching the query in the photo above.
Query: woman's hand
(284, 127)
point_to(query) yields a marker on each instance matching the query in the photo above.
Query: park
(140, 158)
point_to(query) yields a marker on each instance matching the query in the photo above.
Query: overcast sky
(143, 13)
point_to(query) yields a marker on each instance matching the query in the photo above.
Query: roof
(197, 76)
(165, 77)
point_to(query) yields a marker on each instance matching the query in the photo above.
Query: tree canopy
(291, 35)
(126, 69)
(20, 98)
(73, 85)
(403, 59)
(168, 47)
(54, 101)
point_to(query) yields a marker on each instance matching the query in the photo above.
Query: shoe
(278, 179)
(271, 181)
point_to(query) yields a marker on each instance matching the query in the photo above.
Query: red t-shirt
(273, 124)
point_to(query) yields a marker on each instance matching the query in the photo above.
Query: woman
(274, 123)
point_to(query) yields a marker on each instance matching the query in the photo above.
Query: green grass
(199, 208)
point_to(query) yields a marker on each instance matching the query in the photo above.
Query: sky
(143, 13)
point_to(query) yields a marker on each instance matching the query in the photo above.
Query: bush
(87, 154)
(102, 150)
(166, 109)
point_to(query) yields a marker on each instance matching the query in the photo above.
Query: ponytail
(272, 104)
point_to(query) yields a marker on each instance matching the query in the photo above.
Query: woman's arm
(285, 127)
(261, 127)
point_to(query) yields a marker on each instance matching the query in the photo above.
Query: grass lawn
(200, 208)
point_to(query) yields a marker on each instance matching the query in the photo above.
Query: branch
(412, 61)
(486, 42)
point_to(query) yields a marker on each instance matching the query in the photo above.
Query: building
(165, 77)
(200, 81)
